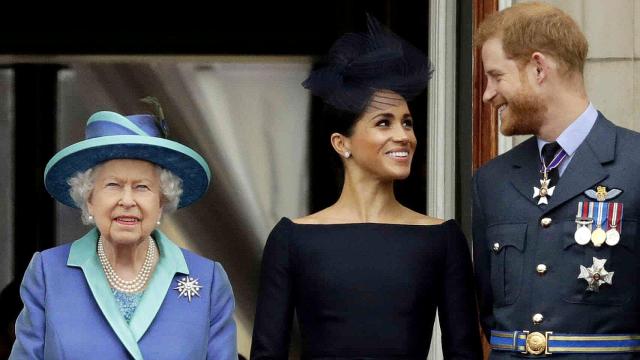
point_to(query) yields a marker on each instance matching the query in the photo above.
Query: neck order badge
(553, 155)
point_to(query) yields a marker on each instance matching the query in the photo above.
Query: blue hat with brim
(110, 136)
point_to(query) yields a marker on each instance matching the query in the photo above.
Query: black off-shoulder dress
(366, 290)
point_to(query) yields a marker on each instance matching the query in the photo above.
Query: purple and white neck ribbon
(555, 162)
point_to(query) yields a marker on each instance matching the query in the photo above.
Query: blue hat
(109, 136)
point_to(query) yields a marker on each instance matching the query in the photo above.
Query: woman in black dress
(366, 275)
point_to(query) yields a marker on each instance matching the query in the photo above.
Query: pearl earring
(158, 222)
(90, 217)
(347, 154)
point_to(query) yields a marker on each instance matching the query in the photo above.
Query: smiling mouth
(398, 154)
(127, 220)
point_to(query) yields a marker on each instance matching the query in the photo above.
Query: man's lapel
(526, 169)
(585, 169)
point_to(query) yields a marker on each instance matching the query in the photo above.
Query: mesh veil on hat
(109, 136)
(361, 63)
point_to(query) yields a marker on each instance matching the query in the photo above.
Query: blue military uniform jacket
(70, 313)
(513, 235)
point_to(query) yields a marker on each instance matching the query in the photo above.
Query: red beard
(525, 114)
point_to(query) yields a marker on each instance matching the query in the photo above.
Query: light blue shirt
(573, 135)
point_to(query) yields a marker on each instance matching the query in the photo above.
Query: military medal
(598, 236)
(545, 190)
(584, 220)
(596, 275)
(607, 217)
(583, 234)
(613, 237)
(613, 234)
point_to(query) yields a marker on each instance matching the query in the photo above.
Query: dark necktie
(548, 152)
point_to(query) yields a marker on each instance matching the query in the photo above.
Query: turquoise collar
(83, 255)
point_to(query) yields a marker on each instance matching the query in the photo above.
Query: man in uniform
(555, 220)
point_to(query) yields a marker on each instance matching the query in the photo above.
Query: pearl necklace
(128, 286)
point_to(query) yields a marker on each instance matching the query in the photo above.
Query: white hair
(82, 183)
(171, 190)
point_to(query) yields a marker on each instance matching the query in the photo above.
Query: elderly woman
(125, 290)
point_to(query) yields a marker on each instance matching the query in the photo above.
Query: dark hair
(357, 66)
(339, 121)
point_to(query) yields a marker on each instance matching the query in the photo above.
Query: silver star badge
(596, 275)
(543, 191)
(188, 287)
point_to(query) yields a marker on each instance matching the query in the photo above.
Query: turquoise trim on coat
(83, 254)
(171, 262)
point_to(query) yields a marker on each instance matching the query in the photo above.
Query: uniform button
(545, 222)
(541, 269)
(496, 246)
(537, 319)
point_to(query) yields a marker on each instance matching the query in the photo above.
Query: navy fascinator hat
(359, 64)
